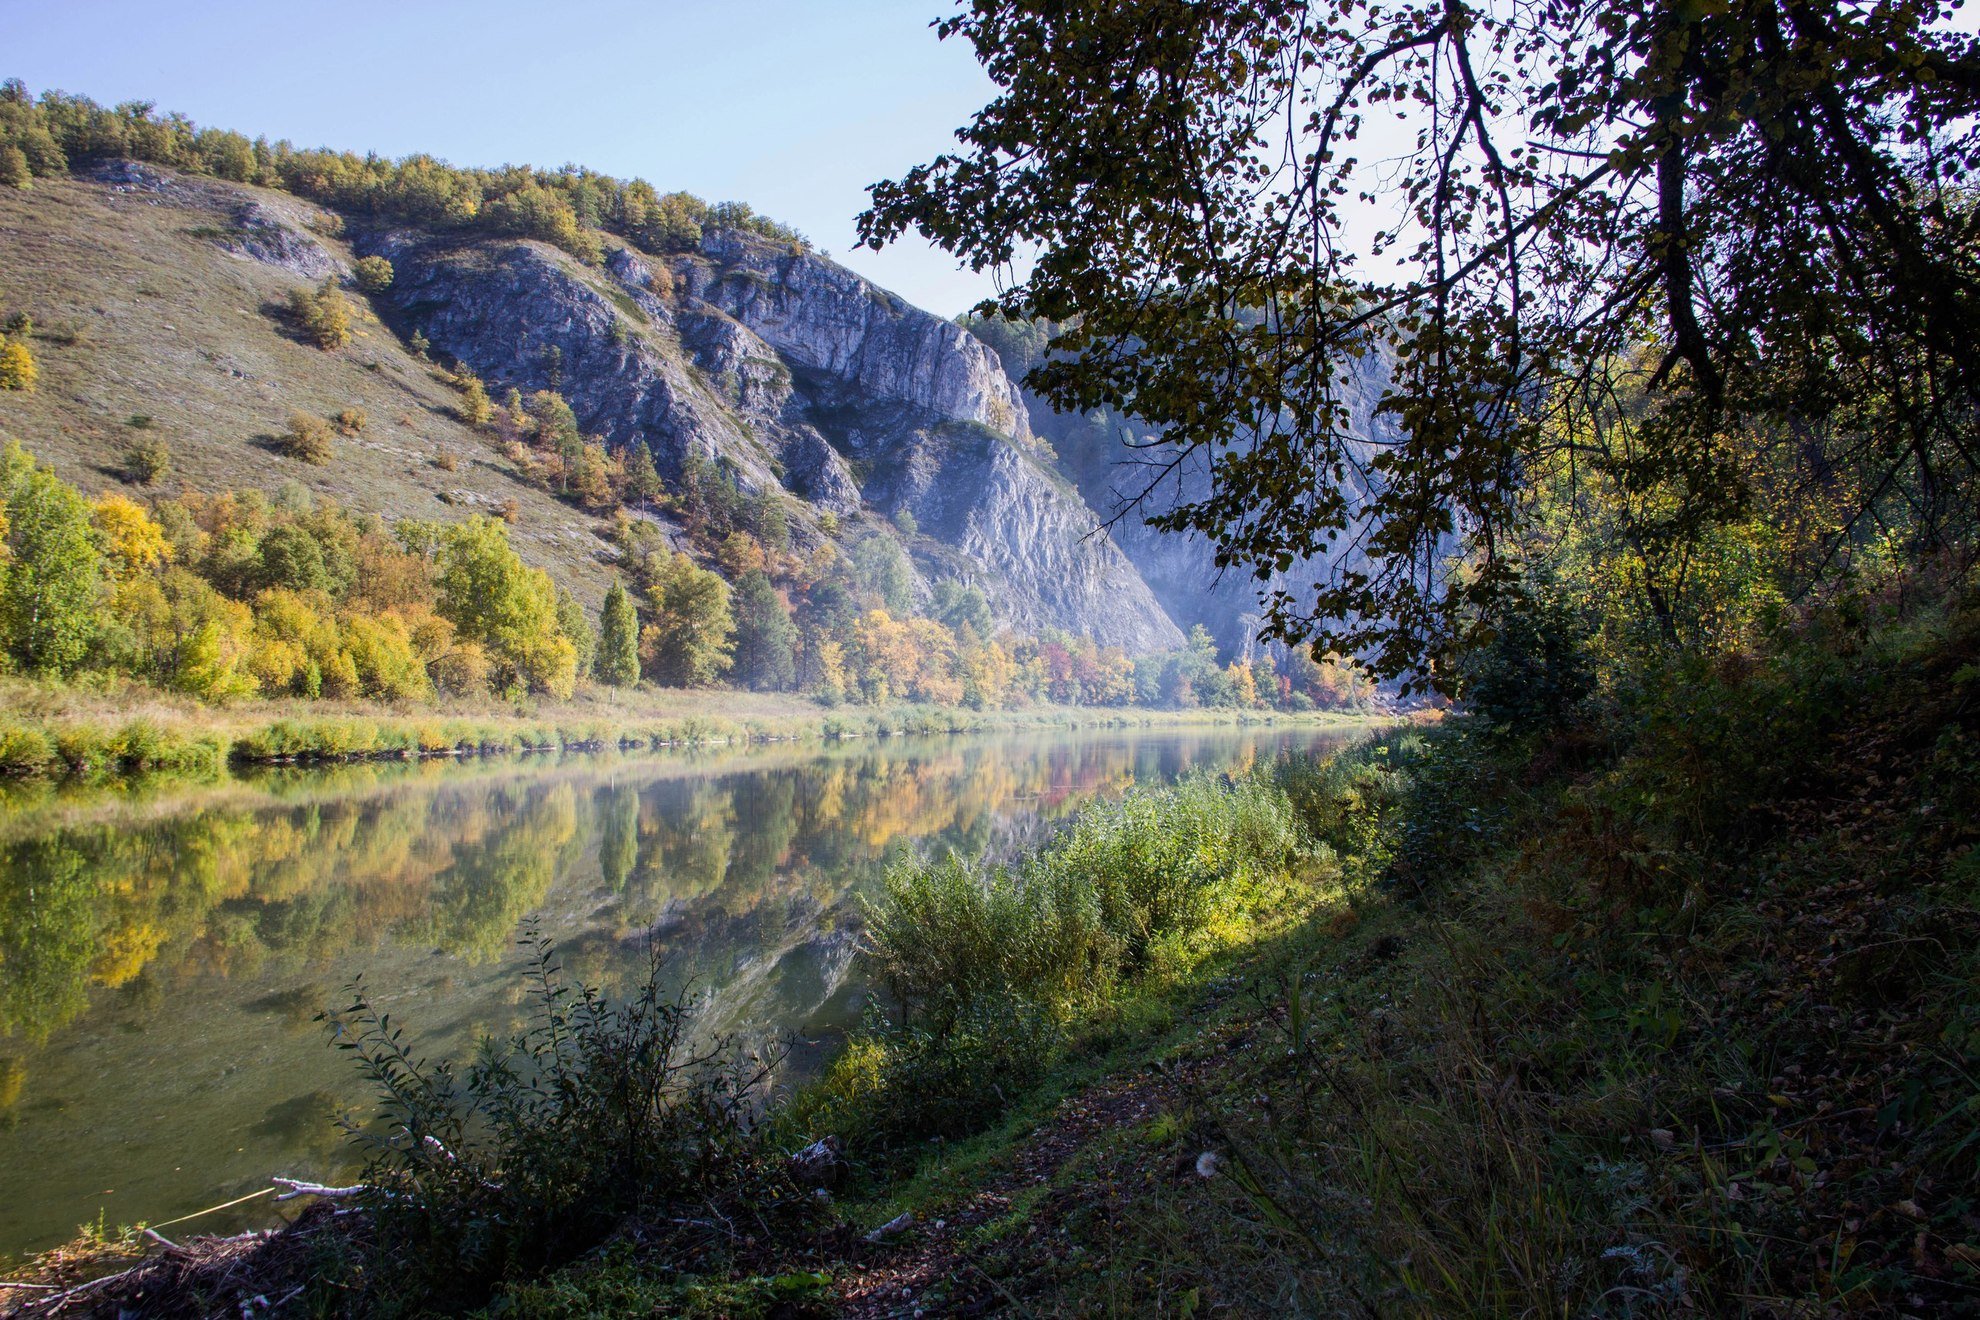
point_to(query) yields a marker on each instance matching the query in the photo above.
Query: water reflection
(163, 954)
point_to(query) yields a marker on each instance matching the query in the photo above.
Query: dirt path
(931, 1269)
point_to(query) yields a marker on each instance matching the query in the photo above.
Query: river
(164, 951)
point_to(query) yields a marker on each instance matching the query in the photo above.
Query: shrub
(590, 1115)
(374, 274)
(322, 314)
(308, 438)
(17, 366)
(988, 964)
(147, 460)
(352, 421)
(475, 409)
(891, 1088)
(24, 750)
(949, 935)
(446, 460)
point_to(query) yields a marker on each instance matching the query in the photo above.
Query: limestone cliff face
(1181, 570)
(795, 373)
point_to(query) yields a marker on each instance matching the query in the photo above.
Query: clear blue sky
(793, 107)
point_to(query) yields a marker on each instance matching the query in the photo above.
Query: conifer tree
(618, 639)
(642, 477)
(766, 640)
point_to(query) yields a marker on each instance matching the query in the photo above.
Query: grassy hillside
(140, 311)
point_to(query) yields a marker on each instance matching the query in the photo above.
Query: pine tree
(642, 477)
(618, 639)
(766, 640)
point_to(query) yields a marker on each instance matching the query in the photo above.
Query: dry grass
(140, 312)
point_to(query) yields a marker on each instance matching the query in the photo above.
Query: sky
(793, 107)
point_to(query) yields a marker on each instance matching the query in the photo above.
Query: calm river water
(163, 953)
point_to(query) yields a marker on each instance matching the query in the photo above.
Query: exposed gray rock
(791, 371)
(1180, 569)
(263, 235)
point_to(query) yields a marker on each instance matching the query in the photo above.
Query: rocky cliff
(794, 373)
(1108, 458)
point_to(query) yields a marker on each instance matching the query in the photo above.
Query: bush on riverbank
(80, 733)
(596, 1112)
(992, 966)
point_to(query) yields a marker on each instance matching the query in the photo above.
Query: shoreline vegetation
(1227, 1043)
(49, 733)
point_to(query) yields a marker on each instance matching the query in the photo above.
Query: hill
(161, 303)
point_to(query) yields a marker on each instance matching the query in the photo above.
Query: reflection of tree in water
(223, 891)
(730, 866)
(48, 936)
(617, 806)
(505, 873)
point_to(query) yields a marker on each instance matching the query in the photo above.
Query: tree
(51, 581)
(1775, 197)
(618, 639)
(642, 477)
(14, 171)
(575, 625)
(374, 274)
(494, 599)
(881, 569)
(962, 607)
(766, 639)
(476, 410)
(147, 460)
(132, 541)
(688, 644)
(291, 560)
(308, 438)
(17, 366)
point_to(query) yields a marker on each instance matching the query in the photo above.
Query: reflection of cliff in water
(178, 946)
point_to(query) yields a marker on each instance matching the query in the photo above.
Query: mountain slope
(162, 295)
(1115, 479)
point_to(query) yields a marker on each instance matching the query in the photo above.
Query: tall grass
(991, 965)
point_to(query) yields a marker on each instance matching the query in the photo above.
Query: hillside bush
(373, 274)
(308, 438)
(322, 314)
(18, 370)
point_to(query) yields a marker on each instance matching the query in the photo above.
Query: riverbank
(1640, 1013)
(134, 730)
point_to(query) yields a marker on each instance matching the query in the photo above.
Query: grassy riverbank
(1668, 1008)
(131, 730)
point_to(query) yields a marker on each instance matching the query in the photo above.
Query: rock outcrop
(792, 372)
(1180, 569)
